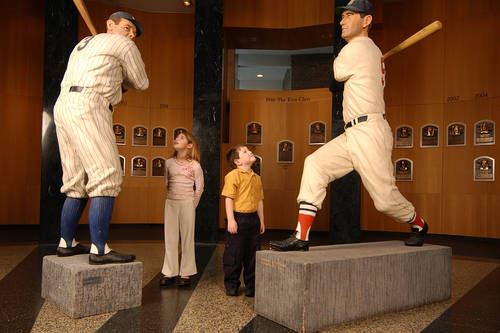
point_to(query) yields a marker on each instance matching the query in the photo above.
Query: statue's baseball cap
(125, 15)
(358, 6)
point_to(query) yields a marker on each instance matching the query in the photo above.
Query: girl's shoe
(167, 281)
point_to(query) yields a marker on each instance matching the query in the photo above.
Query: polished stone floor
(203, 307)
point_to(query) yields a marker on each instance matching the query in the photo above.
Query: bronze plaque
(456, 134)
(285, 151)
(317, 133)
(119, 131)
(139, 164)
(140, 136)
(158, 167)
(429, 136)
(177, 131)
(122, 164)
(257, 166)
(484, 169)
(484, 132)
(404, 169)
(404, 137)
(159, 137)
(254, 133)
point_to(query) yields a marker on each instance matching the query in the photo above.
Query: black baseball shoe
(417, 237)
(291, 243)
(250, 292)
(232, 291)
(71, 251)
(111, 257)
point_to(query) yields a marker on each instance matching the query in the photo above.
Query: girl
(184, 180)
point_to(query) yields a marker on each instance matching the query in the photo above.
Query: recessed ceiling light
(260, 75)
(187, 3)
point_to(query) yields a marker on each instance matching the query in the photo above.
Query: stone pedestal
(79, 289)
(307, 291)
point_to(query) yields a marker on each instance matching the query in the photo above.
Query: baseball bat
(80, 5)
(418, 36)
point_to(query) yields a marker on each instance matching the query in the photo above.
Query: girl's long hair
(194, 152)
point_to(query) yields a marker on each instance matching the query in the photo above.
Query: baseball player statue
(99, 68)
(366, 144)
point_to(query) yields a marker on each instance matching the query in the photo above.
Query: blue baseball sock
(101, 209)
(71, 212)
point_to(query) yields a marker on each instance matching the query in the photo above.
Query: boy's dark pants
(240, 250)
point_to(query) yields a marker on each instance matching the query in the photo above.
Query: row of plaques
(139, 166)
(484, 134)
(140, 135)
(483, 169)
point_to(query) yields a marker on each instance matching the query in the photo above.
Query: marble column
(208, 51)
(61, 35)
(345, 194)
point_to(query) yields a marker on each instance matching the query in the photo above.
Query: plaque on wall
(317, 132)
(257, 166)
(159, 137)
(484, 132)
(429, 136)
(140, 136)
(404, 137)
(456, 134)
(158, 167)
(254, 133)
(285, 151)
(119, 131)
(403, 169)
(177, 131)
(122, 164)
(484, 169)
(139, 164)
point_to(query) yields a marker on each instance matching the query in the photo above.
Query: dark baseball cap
(129, 17)
(359, 6)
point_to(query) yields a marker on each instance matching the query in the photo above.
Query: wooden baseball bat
(418, 36)
(80, 5)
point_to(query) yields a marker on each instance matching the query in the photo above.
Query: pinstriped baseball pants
(366, 148)
(89, 156)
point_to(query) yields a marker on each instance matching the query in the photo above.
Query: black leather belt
(79, 89)
(358, 120)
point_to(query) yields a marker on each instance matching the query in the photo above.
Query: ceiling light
(260, 75)
(187, 3)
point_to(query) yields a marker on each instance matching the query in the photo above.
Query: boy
(245, 220)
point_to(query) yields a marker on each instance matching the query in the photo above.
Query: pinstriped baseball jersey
(102, 62)
(99, 66)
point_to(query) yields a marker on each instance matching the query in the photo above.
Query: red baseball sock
(417, 222)
(307, 212)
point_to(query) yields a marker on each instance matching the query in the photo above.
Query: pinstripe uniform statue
(99, 69)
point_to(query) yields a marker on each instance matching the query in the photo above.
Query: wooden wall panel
(21, 111)
(277, 14)
(286, 117)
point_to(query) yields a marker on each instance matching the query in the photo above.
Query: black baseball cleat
(71, 251)
(291, 243)
(232, 291)
(417, 237)
(111, 257)
(250, 292)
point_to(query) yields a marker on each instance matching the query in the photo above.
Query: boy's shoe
(167, 281)
(291, 243)
(250, 292)
(232, 292)
(71, 251)
(111, 257)
(183, 282)
(417, 237)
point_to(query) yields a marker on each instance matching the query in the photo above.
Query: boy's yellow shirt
(245, 188)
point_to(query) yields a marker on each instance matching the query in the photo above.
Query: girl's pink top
(184, 180)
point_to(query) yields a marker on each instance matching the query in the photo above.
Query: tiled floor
(204, 307)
